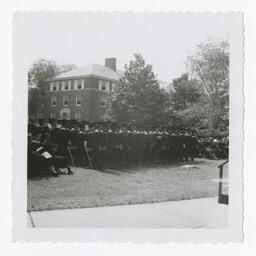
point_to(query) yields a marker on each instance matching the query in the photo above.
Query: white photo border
(22, 233)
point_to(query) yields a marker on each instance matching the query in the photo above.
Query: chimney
(111, 63)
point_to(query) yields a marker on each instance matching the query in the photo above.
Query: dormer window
(54, 86)
(66, 85)
(104, 85)
(79, 84)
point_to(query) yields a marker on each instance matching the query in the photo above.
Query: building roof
(90, 70)
(168, 87)
(162, 84)
(102, 72)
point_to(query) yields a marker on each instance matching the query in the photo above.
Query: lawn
(91, 188)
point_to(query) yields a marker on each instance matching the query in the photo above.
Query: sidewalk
(195, 213)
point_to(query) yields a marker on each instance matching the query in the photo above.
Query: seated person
(48, 156)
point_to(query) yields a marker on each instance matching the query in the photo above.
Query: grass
(91, 188)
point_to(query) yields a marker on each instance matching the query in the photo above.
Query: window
(54, 101)
(113, 86)
(102, 85)
(103, 102)
(53, 115)
(65, 100)
(78, 100)
(54, 86)
(78, 116)
(107, 85)
(66, 85)
(79, 84)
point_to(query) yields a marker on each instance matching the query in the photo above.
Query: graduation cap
(52, 120)
(100, 124)
(188, 130)
(123, 126)
(31, 120)
(108, 122)
(94, 125)
(85, 122)
(114, 125)
(41, 121)
(130, 126)
(64, 122)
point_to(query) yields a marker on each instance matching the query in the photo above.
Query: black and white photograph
(130, 121)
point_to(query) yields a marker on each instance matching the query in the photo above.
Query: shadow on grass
(140, 167)
(147, 166)
(40, 177)
(45, 176)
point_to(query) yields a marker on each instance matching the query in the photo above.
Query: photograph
(128, 119)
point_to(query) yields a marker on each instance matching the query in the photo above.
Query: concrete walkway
(195, 213)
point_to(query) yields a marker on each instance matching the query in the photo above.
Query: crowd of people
(59, 144)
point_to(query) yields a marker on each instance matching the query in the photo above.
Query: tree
(186, 92)
(196, 115)
(210, 66)
(188, 103)
(41, 70)
(138, 97)
(34, 101)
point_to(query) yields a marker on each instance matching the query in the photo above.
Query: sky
(164, 40)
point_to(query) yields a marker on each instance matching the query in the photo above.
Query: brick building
(81, 93)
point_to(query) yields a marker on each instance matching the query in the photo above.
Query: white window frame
(77, 82)
(101, 85)
(103, 99)
(107, 85)
(77, 96)
(113, 86)
(76, 118)
(64, 84)
(65, 96)
(52, 100)
(104, 84)
(52, 85)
